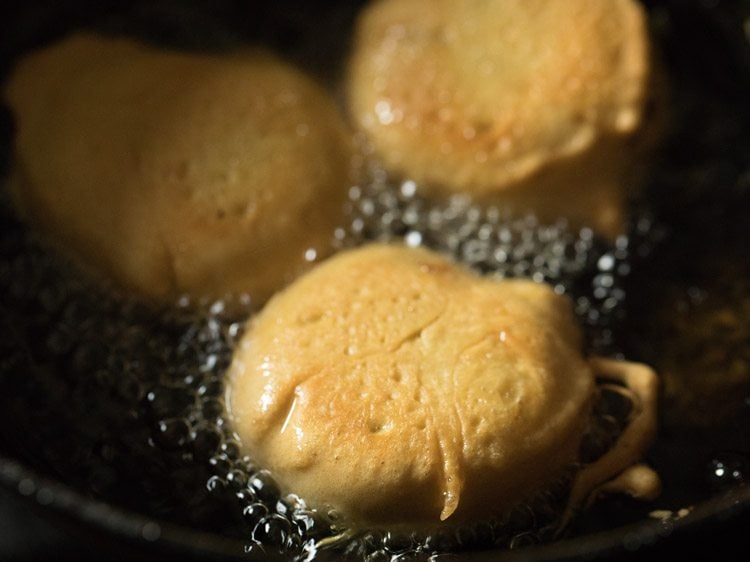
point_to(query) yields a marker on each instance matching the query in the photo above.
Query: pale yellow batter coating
(533, 103)
(175, 172)
(403, 391)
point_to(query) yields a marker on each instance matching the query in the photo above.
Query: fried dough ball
(533, 103)
(175, 172)
(405, 392)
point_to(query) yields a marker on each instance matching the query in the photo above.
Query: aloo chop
(174, 172)
(405, 392)
(530, 102)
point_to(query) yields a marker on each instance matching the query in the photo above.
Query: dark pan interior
(698, 198)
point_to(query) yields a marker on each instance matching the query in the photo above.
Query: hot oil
(125, 403)
(494, 242)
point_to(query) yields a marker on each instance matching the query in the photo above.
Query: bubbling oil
(124, 401)
(493, 241)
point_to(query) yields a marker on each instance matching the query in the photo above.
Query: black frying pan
(707, 52)
(715, 530)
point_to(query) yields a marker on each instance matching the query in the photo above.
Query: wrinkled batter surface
(398, 388)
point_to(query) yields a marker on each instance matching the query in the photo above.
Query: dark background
(29, 531)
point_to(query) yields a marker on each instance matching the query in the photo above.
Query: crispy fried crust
(178, 172)
(400, 389)
(531, 102)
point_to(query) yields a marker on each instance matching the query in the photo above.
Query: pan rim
(54, 497)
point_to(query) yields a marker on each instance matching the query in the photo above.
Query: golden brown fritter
(530, 102)
(175, 172)
(401, 390)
